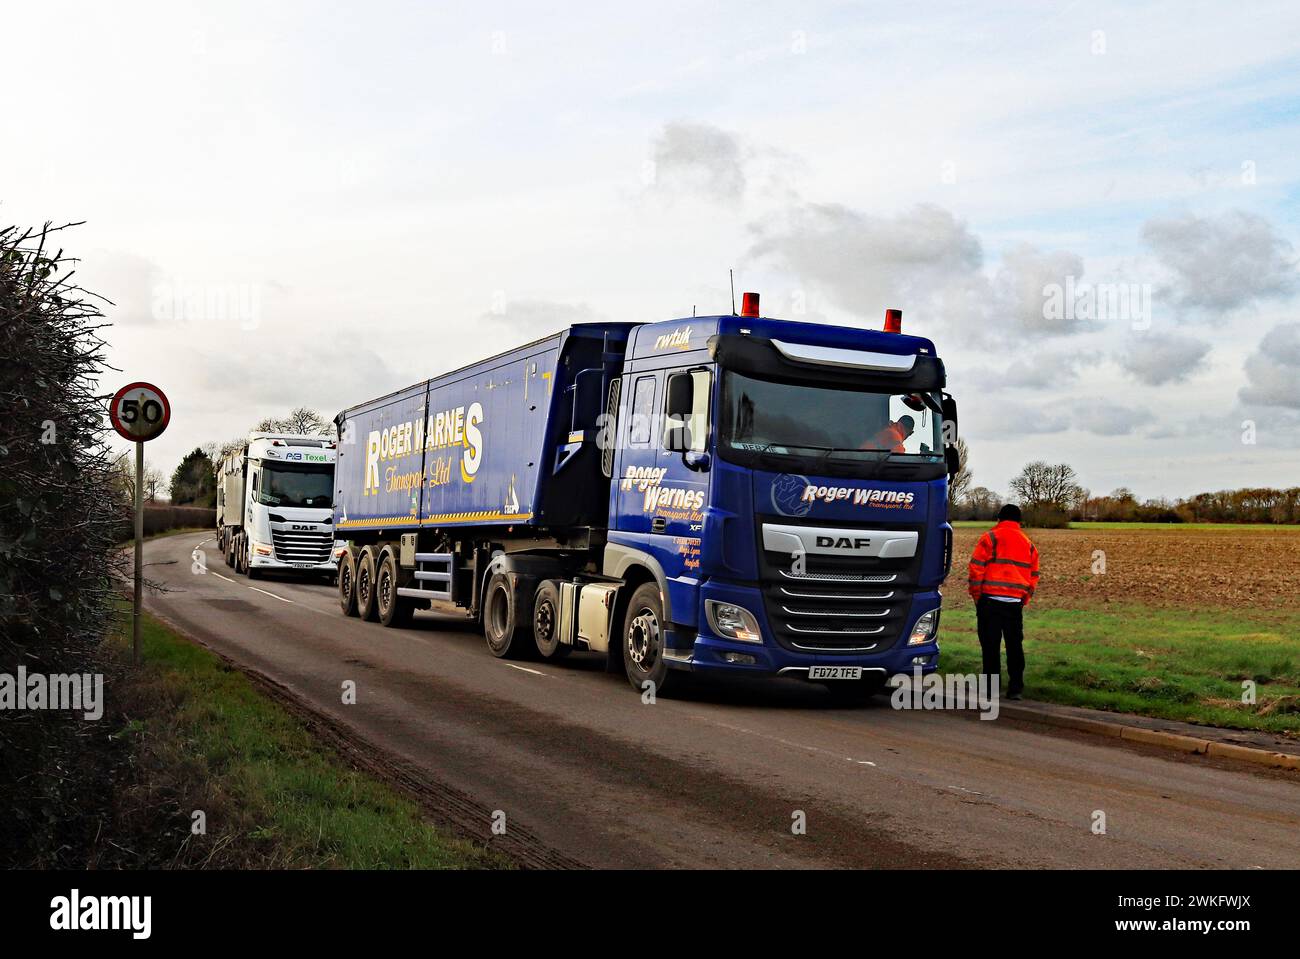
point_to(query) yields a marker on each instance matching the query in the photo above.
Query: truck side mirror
(678, 406)
(952, 458)
(681, 396)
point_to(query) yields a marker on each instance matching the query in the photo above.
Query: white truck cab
(275, 505)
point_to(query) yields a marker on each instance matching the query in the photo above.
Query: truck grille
(835, 604)
(302, 546)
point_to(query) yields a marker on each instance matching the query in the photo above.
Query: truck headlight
(924, 629)
(732, 621)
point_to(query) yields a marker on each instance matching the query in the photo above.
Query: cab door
(662, 484)
(638, 450)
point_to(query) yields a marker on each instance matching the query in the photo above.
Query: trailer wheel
(367, 608)
(230, 551)
(643, 639)
(507, 636)
(394, 610)
(546, 621)
(241, 555)
(347, 585)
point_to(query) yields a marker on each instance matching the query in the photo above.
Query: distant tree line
(1051, 496)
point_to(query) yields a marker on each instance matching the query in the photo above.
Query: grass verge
(1182, 664)
(203, 738)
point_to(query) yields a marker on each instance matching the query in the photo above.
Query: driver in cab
(892, 435)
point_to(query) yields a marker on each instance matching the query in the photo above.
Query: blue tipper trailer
(724, 494)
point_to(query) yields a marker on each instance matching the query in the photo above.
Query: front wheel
(643, 640)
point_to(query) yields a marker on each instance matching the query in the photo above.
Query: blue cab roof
(693, 332)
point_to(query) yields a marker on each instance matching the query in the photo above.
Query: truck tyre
(854, 692)
(367, 608)
(546, 621)
(509, 634)
(241, 554)
(394, 611)
(643, 639)
(348, 585)
(229, 550)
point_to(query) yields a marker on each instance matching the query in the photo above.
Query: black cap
(1011, 511)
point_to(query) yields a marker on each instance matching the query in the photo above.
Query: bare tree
(1047, 484)
(301, 420)
(154, 480)
(979, 503)
(219, 451)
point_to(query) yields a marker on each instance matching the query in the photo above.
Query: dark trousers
(997, 621)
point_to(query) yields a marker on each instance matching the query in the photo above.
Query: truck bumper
(271, 564)
(712, 653)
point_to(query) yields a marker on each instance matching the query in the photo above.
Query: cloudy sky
(1093, 210)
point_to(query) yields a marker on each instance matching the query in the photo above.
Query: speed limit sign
(140, 412)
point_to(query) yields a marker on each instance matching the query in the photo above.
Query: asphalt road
(716, 777)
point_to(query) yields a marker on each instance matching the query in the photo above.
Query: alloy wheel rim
(643, 639)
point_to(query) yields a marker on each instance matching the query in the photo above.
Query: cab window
(643, 405)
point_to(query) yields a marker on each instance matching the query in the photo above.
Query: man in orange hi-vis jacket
(1003, 576)
(892, 435)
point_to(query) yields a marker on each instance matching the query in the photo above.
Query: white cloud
(1273, 370)
(701, 159)
(1222, 262)
(1023, 286)
(1038, 370)
(1105, 418)
(925, 258)
(1167, 358)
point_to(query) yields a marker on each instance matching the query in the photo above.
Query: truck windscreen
(804, 420)
(286, 484)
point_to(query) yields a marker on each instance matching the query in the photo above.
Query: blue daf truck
(720, 494)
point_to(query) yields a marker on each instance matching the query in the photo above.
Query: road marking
(525, 669)
(219, 576)
(273, 596)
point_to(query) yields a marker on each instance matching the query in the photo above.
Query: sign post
(139, 412)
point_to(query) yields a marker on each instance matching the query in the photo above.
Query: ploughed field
(1224, 567)
(1167, 621)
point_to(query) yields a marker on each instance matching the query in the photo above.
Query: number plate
(302, 565)
(834, 672)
